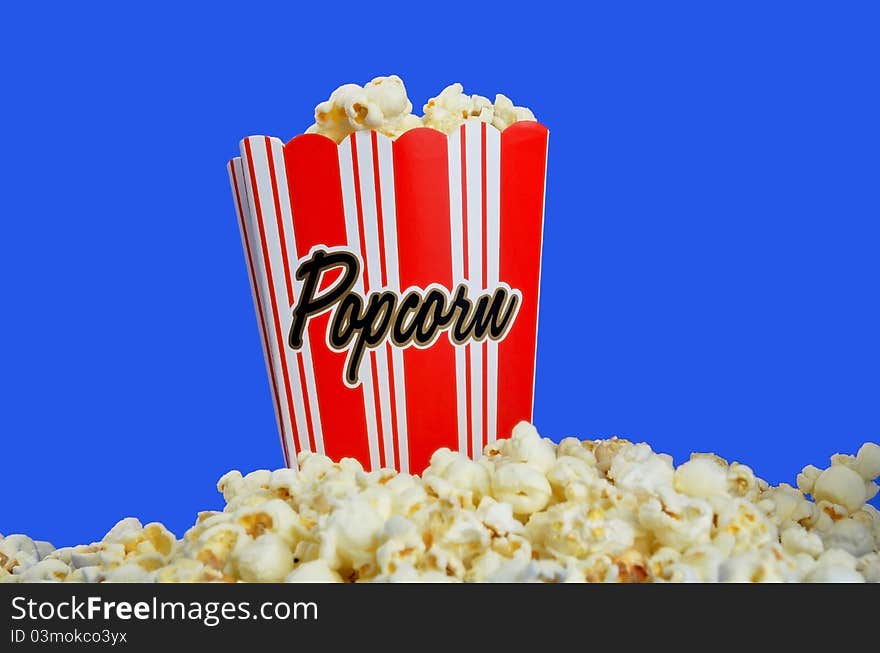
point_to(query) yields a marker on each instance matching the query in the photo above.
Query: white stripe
(263, 287)
(241, 207)
(374, 266)
(349, 205)
(474, 180)
(493, 265)
(263, 194)
(384, 382)
(454, 155)
(389, 222)
(305, 351)
(366, 376)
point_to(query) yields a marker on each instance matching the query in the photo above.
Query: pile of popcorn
(383, 105)
(527, 510)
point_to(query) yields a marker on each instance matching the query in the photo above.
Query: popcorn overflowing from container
(382, 105)
(527, 509)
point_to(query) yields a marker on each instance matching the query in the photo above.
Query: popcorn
(807, 478)
(452, 107)
(796, 539)
(129, 573)
(383, 105)
(267, 559)
(572, 530)
(411, 575)
(704, 560)
(187, 570)
(233, 484)
(88, 575)
(275, 516)
(20, 551)
(869, 516)
(682, 573)
(851, 536)
(315, 571)
(527, 511)
(869, 567)
(526, 446)
(677, 521)
(833, 574)
(769, 565)
(835, 566)
(577, 449)
(351, 535)
(145, 542)
(128, 543)
(701, 477)
(214, 546)
(785, 505)
(600, 568)
(747, 524)
(505, 114)
(638, 469)
(840, 485)
(661, 565)
(498, 517)
(868, 461)
(492, 566)
(570, 476)
(457, 538)
(522, 486)
(403, 546)
(470, 479)
(123, 526)
(48, 569)
(631, 567)
(606, 450)
(845, 486)
(550, 571)
(741, 481)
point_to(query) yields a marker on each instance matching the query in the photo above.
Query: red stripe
(315, 188)
(485, 282)
(523, 165)
(279, 335)
(466, 271)
(421, 192)
(369, 285)
(262, 325)
(291, 299)
(383, 265)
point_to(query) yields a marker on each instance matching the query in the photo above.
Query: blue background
(713, 206)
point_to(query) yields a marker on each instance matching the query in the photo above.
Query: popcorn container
(396, 286)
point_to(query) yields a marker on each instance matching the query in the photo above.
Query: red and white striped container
(424, 210)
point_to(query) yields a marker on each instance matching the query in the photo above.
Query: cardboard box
(396, 286)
